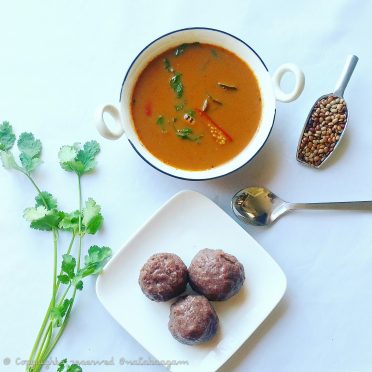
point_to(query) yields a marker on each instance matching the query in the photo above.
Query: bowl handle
(299, 82)
(102, 127)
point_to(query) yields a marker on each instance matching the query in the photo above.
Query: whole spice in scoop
(323, 130)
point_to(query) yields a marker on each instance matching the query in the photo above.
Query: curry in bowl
(196, 106)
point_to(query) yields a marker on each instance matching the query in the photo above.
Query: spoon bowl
(258, 206)
(261, 207)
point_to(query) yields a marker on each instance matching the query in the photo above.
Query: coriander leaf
(28, 163)
(8, 160)
(7, 137)
(176, 84)
(179, 107)
(79, 285)
(61, 365)
(94, 224)
(46, 199)
(43, 219)
(167, 65)
(64, 279)
(160, 120)
(191, 113)
(77, 282)
(69, 368)
(48, 222)
(30, 151)
(214, 53)
(74, 368)
(67, 158)
(28, 145)
(97, 254)
(70, 221)
(32, 214)
(91, 148)
(184, 132)
(95, 260)
(187, 133)
(80, 161)
(92, 218)
(68, 265)
(181, 49)
(58, 312)
(68, 153)
(87, 155)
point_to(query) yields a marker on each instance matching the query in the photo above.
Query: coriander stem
(71, 243)
(68, 252)
(55, 236)
(40, 334)
(44, 342)
(37, 188)
(64, 295)
(52, 301)
(49, 349)
(80, 213)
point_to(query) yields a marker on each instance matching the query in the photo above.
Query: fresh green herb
(184, 132)
(46, 199)
(46, 216)
(70, 222)
(187, 133)
(191, 113)
(161, 122)
(41, 218)
(7, 137)
(182, 48)
(214, 53)
(92, 219)
(57, 313)
(179, 107)
(64, 367)
(30, 151)
(29, 148)
(81, 161)
(167, 65)
(176, 84)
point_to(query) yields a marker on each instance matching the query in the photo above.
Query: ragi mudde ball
(163, 276)
(192, 320)
(215, 274)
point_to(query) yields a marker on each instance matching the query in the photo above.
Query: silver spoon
(260, 207)
(351, 62)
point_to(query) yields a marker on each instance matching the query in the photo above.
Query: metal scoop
(261, 207)
(326, 122)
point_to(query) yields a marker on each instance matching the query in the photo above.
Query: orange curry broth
(202, 66)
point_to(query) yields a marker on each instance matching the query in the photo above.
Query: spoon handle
(352, 205)
(345, 76)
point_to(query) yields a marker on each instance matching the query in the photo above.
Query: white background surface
(58, 63)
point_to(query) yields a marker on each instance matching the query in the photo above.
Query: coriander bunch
(46, 216)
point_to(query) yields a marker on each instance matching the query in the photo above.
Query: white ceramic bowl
(269, 87)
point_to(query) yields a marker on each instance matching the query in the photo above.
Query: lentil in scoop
(322, 131)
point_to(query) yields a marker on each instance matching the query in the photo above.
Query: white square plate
(187, 223)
